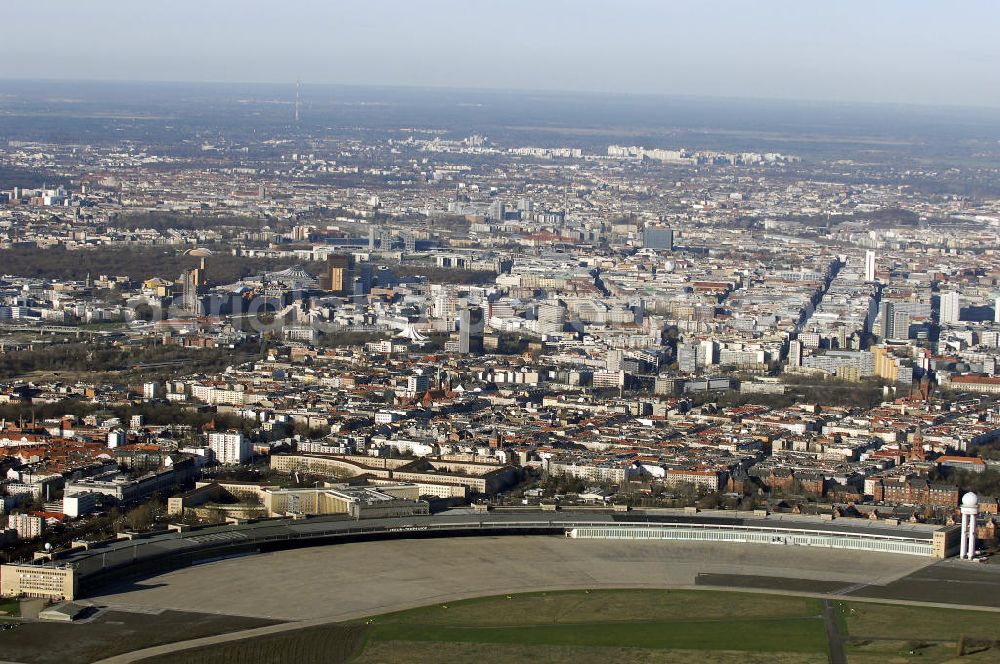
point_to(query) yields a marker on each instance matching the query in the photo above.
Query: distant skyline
(891, 51)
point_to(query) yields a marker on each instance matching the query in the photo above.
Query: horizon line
(555, 92)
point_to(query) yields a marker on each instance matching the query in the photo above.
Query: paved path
(833, 633)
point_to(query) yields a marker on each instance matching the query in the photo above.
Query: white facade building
(80, 504)
(870, 265)
(230, 447)
(27, 526)
(117, 438)
(951, 306)
(151, 391)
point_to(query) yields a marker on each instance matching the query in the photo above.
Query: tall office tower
(371, 238)
(230, 447)
(201, 274)
(897, 322)
(193, 282)
(869, 265)
(996, 309)
(794, 354)
(891, 318)
(841, 337)
(339, 275)
(950, 308)
(551, 317)
(189, 292)
(615, 360)
(498, 210)
(687, 357)
(708, 350)
(658, 238)
(471, 321)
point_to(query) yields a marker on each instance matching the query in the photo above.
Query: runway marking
(124, 608)
(850, 589)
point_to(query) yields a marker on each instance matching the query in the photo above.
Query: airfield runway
(350, 580)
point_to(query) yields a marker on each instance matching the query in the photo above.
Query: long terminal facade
(81, 571)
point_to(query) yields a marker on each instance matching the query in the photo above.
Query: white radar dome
(970, 500)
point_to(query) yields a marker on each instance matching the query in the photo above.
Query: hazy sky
(914, 51)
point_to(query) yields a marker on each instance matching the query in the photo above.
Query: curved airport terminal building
(87, 567)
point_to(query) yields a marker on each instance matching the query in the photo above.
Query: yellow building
(852, 374)
(886, 364)
(45, 581)
(159, 287)
(340, 269)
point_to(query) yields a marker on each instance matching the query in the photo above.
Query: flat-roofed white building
(230, 447)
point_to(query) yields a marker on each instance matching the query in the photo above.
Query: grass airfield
(663, 626)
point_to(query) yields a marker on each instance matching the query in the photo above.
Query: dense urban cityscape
(668, 333)
(299, 325)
